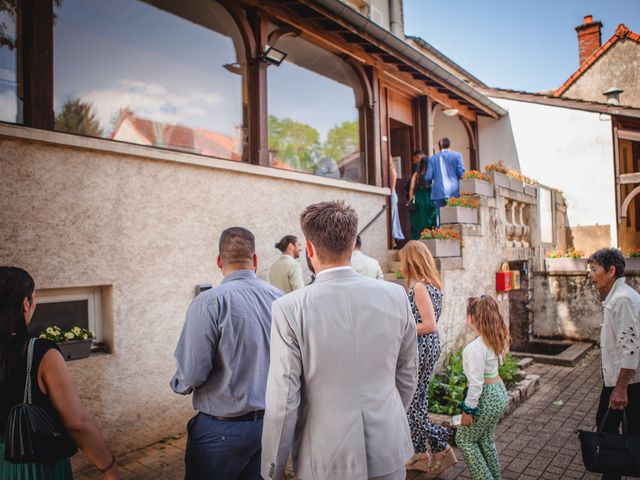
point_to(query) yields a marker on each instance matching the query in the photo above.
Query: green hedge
(447, 388)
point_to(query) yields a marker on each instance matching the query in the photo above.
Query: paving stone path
(537, 441)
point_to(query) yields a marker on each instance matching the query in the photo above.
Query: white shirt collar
(618, 282)
(334, 269)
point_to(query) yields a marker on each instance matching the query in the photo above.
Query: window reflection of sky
(306, 97)
(125, 53)
(8, 87)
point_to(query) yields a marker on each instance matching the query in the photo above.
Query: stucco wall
(76, 216)
(618, 67)
(453, 129)
(567, 149)
(568, 306)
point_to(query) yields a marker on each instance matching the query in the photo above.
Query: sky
(514, 44)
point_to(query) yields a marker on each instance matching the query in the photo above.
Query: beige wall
(589, 238)
(618, 67)
(74, 213)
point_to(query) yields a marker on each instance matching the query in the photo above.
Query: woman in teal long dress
(426, 213)
(51, 385)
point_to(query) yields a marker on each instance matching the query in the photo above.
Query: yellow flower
(49, 330)
(69, 336)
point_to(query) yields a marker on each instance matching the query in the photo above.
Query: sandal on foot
(441, 461)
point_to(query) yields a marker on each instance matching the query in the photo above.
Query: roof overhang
(371, 40)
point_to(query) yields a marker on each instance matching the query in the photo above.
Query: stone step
(393, 266)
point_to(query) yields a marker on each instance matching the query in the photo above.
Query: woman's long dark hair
(424, 163)
(15, 285)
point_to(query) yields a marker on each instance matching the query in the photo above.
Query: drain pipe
(395, 18)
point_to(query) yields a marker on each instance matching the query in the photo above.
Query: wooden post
(258, 127)
(38, 63)
(377, 173)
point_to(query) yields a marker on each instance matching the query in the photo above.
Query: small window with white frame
(68, 308)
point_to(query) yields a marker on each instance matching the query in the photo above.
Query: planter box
(458, 215)
(476, 187)
(565, 264)
(76, 349)
(632, 264)
(443, 248)
(516, 185)
(530, 190)
(500, 179)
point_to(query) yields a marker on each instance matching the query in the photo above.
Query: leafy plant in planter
(447, 389)
(633, 252)
(477, 175)
(439, 234)
(74, 343)
(497, 167)
(463, 201)
(570, 253)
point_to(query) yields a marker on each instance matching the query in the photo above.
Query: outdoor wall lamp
(273, 56)
(450, 112)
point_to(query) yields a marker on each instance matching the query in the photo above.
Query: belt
(247, 417)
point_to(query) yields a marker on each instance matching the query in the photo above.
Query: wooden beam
(626, 178)
(258, 124)
(38, 63)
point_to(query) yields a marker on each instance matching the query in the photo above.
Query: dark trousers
(222, 449)
(614, 420)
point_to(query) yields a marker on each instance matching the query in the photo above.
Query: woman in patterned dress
(425, 295)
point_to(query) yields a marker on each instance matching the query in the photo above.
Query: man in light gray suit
(343, 365)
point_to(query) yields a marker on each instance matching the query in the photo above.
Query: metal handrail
(384, 207)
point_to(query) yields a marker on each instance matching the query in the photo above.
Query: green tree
(342, 141)
(78, 116)
(294, 143)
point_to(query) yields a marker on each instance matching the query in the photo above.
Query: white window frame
(93, 296)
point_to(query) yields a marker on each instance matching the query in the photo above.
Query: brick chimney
(589, 37)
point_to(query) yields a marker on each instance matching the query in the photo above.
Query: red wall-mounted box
(504, 281)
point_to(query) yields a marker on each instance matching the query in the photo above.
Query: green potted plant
(570, 261)
(632, 260)
(74, 343)
(476, 183)
(463, 209)
(442, 243)
(498, 174)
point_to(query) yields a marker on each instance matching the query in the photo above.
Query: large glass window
(313, 99)
(162, 73)
(10, 85)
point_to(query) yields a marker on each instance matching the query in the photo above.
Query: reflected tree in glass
(293, 143)
(78, 116)
(342, 141)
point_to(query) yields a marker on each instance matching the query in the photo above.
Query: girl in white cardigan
(486, 399)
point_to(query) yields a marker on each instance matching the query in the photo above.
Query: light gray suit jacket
(342, 374)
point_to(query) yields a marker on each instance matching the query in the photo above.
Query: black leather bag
(412, 206)
(34, 433)
(611, 452)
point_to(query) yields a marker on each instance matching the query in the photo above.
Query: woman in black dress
(52, 385)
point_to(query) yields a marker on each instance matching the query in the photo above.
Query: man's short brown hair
(331, 227)
(237, 245)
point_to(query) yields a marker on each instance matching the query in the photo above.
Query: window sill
(19, 132)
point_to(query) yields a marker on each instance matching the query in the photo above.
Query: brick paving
(537, 441)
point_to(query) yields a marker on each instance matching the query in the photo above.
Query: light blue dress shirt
(222, 356)
(444, 173)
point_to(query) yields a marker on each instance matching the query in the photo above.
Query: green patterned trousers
(476, 442)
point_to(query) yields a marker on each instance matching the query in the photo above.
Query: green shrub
(447, 389)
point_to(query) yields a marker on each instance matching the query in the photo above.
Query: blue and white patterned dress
(422, 430)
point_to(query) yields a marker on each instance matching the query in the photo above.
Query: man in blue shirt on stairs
(444, 172)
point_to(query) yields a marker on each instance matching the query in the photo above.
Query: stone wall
(567, 305)
(79, 212)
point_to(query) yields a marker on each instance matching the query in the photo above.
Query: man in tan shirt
(286, 273)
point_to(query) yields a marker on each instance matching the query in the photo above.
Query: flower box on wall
(530, 190)
(516, 185)
(476, 186)
(499, 179)
(458, 215)
(632, 264)
(76, 349)
(442, 248)
(565, 264)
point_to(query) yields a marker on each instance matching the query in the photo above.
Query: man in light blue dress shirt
(444, 172)
(222, 358)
